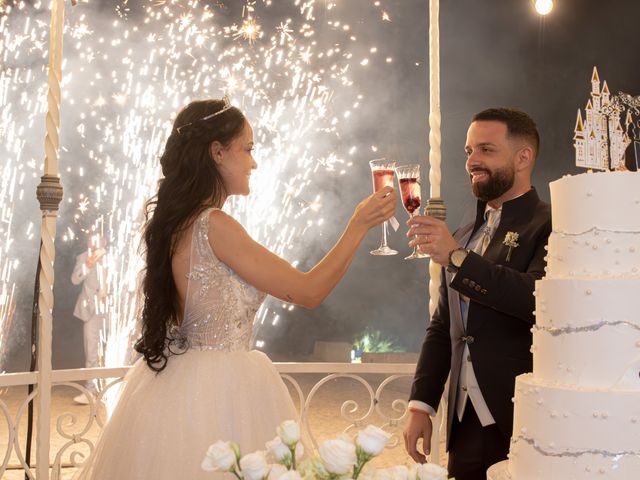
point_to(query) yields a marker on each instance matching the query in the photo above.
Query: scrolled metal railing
(79, 432)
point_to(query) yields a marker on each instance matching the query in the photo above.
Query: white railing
(76, 436)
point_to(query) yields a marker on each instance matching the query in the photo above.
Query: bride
(205, 278)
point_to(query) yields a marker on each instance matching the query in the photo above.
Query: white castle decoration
(600, 139)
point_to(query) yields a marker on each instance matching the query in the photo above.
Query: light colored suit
(89, 302)
(91, 306)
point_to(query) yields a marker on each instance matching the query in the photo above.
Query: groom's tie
(487, 232)
(490, 217)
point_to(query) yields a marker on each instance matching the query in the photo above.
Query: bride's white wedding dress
(216, 390)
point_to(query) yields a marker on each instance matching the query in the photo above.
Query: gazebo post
(49, 194)
(435, 205)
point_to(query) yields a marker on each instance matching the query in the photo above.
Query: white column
(49, 194)
(435, 205)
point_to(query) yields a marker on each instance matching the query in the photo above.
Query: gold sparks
(100, 102)
(83, 205)
(249, 31)
(284, 31)
(120, 98)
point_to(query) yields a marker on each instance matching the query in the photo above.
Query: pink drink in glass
(382, 173)
(410, 191)
(409, 180)
(382, 178)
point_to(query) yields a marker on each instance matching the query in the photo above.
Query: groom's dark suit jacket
(501, 312)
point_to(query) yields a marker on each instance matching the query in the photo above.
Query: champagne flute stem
(415, 253)
(415, 247)
(384, 235)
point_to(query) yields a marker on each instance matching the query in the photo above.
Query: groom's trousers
(474, 448)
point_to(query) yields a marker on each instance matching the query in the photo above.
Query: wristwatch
(456, 257)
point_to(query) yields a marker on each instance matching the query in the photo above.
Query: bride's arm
(273, 275)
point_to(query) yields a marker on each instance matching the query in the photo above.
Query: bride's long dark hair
(190, 184)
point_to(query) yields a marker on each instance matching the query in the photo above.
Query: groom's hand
(431, 236)
(418, 426)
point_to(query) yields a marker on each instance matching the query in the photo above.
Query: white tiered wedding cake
(577, 416)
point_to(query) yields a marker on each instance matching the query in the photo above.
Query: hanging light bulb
(543, 7)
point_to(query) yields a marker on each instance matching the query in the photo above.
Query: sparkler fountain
(125, 77)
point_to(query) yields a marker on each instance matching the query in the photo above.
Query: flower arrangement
(511, 241)
(338, 459)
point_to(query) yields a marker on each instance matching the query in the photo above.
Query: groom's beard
(497, 183)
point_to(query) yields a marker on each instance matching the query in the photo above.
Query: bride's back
(218, 306)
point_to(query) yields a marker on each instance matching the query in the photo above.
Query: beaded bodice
(220, 306)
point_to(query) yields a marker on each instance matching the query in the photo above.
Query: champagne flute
(409, 180)
(382, 173)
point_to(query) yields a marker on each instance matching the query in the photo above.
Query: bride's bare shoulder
(221, 224)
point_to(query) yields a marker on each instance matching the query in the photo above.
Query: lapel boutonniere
(511, 241)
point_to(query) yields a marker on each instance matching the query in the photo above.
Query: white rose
(254, 466)
(277, 471)
(278, 449)
(219, 457)
(372, 440)
(399, 472)
(289, 432)
(338, 456)
(312, 468)
(430, 471)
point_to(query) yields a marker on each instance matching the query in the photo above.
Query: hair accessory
(227, 105)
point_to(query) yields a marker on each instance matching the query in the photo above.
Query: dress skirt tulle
(164, 423)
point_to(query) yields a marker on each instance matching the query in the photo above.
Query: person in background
(91, 306)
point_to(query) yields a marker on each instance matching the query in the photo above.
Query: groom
(479, 336)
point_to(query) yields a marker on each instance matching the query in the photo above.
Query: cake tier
(529, 464)
(595, 253)
(572, 303)
(587, 332)
(562, 433)
(605, 200)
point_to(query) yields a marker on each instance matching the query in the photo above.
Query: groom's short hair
(519, 124)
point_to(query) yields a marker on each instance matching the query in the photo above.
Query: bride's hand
(376, 208)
